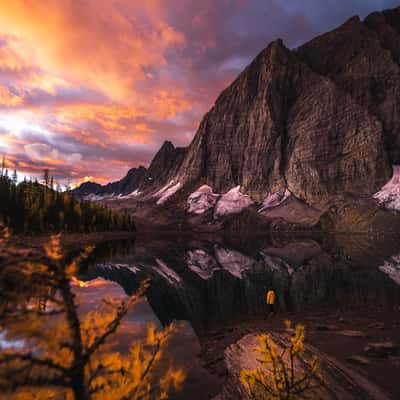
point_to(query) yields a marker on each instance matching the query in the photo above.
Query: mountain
(164, 166)
(312, 129)
(363, 59)
(123, 187)
(282, 126)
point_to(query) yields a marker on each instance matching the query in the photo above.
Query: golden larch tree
(66, 355)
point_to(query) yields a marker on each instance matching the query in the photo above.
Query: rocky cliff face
(283, 124)
(363, 59)
(315, 123)
(164, 165)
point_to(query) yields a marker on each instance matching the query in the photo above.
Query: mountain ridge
(314, 123)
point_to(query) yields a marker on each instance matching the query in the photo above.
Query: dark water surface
(206, 283)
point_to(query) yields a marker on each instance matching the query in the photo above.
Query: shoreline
(73, 241)
(339, 334)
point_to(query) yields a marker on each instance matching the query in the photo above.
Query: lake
(207, 283)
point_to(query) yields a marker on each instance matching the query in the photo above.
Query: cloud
(8, 98)
(92, 88)
(91, 42)
(43, 152)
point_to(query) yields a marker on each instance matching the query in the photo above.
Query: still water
(204, 283)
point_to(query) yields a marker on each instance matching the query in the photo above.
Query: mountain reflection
(210, 281)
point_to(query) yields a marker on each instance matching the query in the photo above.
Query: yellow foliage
(33, 394)
(53, 248)
(65, 347)
(137, 375)
(4, 235)
(285, 373)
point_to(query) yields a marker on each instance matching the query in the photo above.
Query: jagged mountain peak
(125, 186)
(167, 145)
(315, 123)
(393, 17)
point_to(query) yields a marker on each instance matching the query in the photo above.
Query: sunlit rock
(275, 199)
(389, 195)
(202, 200)
(232, 202)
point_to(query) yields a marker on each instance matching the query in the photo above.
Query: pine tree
(46, 178)
(3, 165)
(31, 208)
(15, 177)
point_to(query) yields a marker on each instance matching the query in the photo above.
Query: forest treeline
(30, 207)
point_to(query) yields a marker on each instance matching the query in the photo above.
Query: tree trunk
(79, 387)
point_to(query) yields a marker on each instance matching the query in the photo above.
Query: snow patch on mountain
(170, 275)
(202, 263)
(232, 202)
(389, 195)
(392, 268)
(135, 193)
(202, 200)
(167, 191)
(95, 197)
(274, 199)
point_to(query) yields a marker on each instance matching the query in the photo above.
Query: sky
(92, 88)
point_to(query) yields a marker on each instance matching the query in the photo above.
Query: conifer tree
(3, 165)
(46, 178)
(15, 177)
(73, 359)
(30, 208)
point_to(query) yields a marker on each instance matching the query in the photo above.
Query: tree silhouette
(66, 354)
(15, 177)
(31, 208)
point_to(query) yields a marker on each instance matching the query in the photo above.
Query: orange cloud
(117, 122)
(88, 43)
(90, 84)
(10, 60)
(102, 180)
(9, 99)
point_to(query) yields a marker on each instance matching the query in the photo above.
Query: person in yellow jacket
(270, 301)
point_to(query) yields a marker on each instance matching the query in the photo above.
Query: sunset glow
(93, 88)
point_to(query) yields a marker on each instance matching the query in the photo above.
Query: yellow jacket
(270, 297)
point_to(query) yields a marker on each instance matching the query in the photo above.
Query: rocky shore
(358, 349)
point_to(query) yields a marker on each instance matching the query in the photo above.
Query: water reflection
(213, 280)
